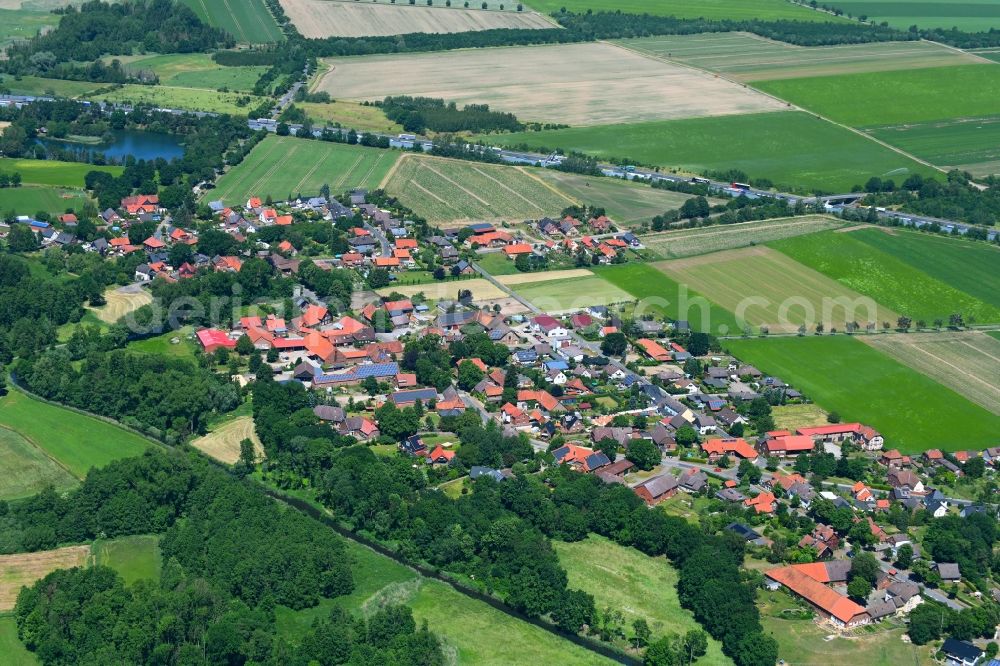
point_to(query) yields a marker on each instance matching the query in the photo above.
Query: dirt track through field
(967, 362)
(427, 166)
(22, 569)
(512, 191)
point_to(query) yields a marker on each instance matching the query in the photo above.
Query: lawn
(32, 199)
(627, 203)
(195, 70)
(591, 83)
(638, 585)
(27, 470)
(968, 362)
(970, 144)
(967, 15)
(133, 557)
(969, 266)
(913, 412)
(803, 643)
(712, 9)
(790, 417)
(793, 149)
(12, 649)
(572, 294)
(897, 285)
(187, 99)
(703, 240)
(33, 85)
(496, 263)
(280, 166)
(163, 344)
(660, 294)
(247, 20)
(473, 632)
(748, 57)
(52, 172)
(76, 441)
(762, 286)
(452, 191)
(912, 96)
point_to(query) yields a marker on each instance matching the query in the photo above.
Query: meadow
(188, 99)
(967, 15)
(712, 9)
(13, 650)
(350, 114)
(761, 286)
(195, 70)
(444, 190)
(22, 569)
(703, 240)
(660, 294)
(571, 294)
(223, 440)
(636, 584)
(317, 19)
(911, 96)
(496, 264)
(892, 282)
(804, 643)
(76, 441)
(580, 84)
(17, 24)
(482, 290)
(967, 362)
(517, 278)
(133, 557)
(912, 411)
(969, 144)
(473, 632)
(280, 166)
(248, 21)
(748, 57)
(793, 149)
(790, 417)
(970, 266)
(27, 470)
(120, 302)
(32, 199)
(163, 344)
(626, 203)
(52, 172)
(33, 85)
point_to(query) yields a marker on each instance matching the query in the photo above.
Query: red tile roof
(806, 580)
(738, 445)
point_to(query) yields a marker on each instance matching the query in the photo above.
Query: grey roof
(880, 608)
(478, 471)
(949, 570)
(660, 485)
(403, 397)
(329, 413)
(961, 649)
(904, 590)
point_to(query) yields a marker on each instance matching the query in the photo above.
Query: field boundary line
(347, 172)
(45, 453)
(511, 190)
(446, 178)
(275, 167)
(548, 185)
(298, 185)
(371, 169)
(957, 50)
(392, 171)
(239, 26)
(981, 351)
(428, 192)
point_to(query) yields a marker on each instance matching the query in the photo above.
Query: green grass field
(627, 203)
(636, 584)
(162, 345)
(16, 24)
(572, 294)
(793, 149)
(195, 70)
(350, 114)
(747, 57)
(660, 294)
(969, 144)
(690, 242)
(32, 199)
(188, 99)
(912, 411)
(473, 633)
(968, 266)
(133, 557)
(970, 16)
(884, 98)
(246, 20)
(712, 9)
(281, 165)
(762, 286)
(13, 650)
(52, 172)
(892, 282)
(78, 442)
(33, 85)
(496, 263)
(27, 470)
(449, 191)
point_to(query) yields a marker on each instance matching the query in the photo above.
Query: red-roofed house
(763, 503)
(516, 249)
(867, 437)
(141, 203)
(283, 220)
(440, 456)
(653, 349)
(212, 339)
(153, 243)
(314, 315)
(406, 244)
(787, 445)
(716, 448)
(386, 262)
(807, 581)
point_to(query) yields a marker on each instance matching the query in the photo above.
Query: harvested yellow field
(546, 276)
(338, 18)
(22, 569)
(578, 84)
(223, 443)
(482, 290)
(122, 301)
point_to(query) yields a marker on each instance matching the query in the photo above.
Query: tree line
(417, 114)
(956, 199)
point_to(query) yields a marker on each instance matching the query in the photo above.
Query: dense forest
(98, 29)
(230, 554)
(956, 199)
(417, 114)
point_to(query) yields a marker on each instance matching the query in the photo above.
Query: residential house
(764, 502)
(787, 445)
(716, 448)
(810, 581)
(960, 653)
(580, 458)
(360, 428)
(866, 437)
(653, 350)
(659, 488)
(904, 478)
(823, 538)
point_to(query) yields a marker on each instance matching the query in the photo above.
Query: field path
(431, 194)
(446, 178)
(274, 168)
(392, 171)
(308, 175)
(371, 170)
(547, 185)
(512, 191)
